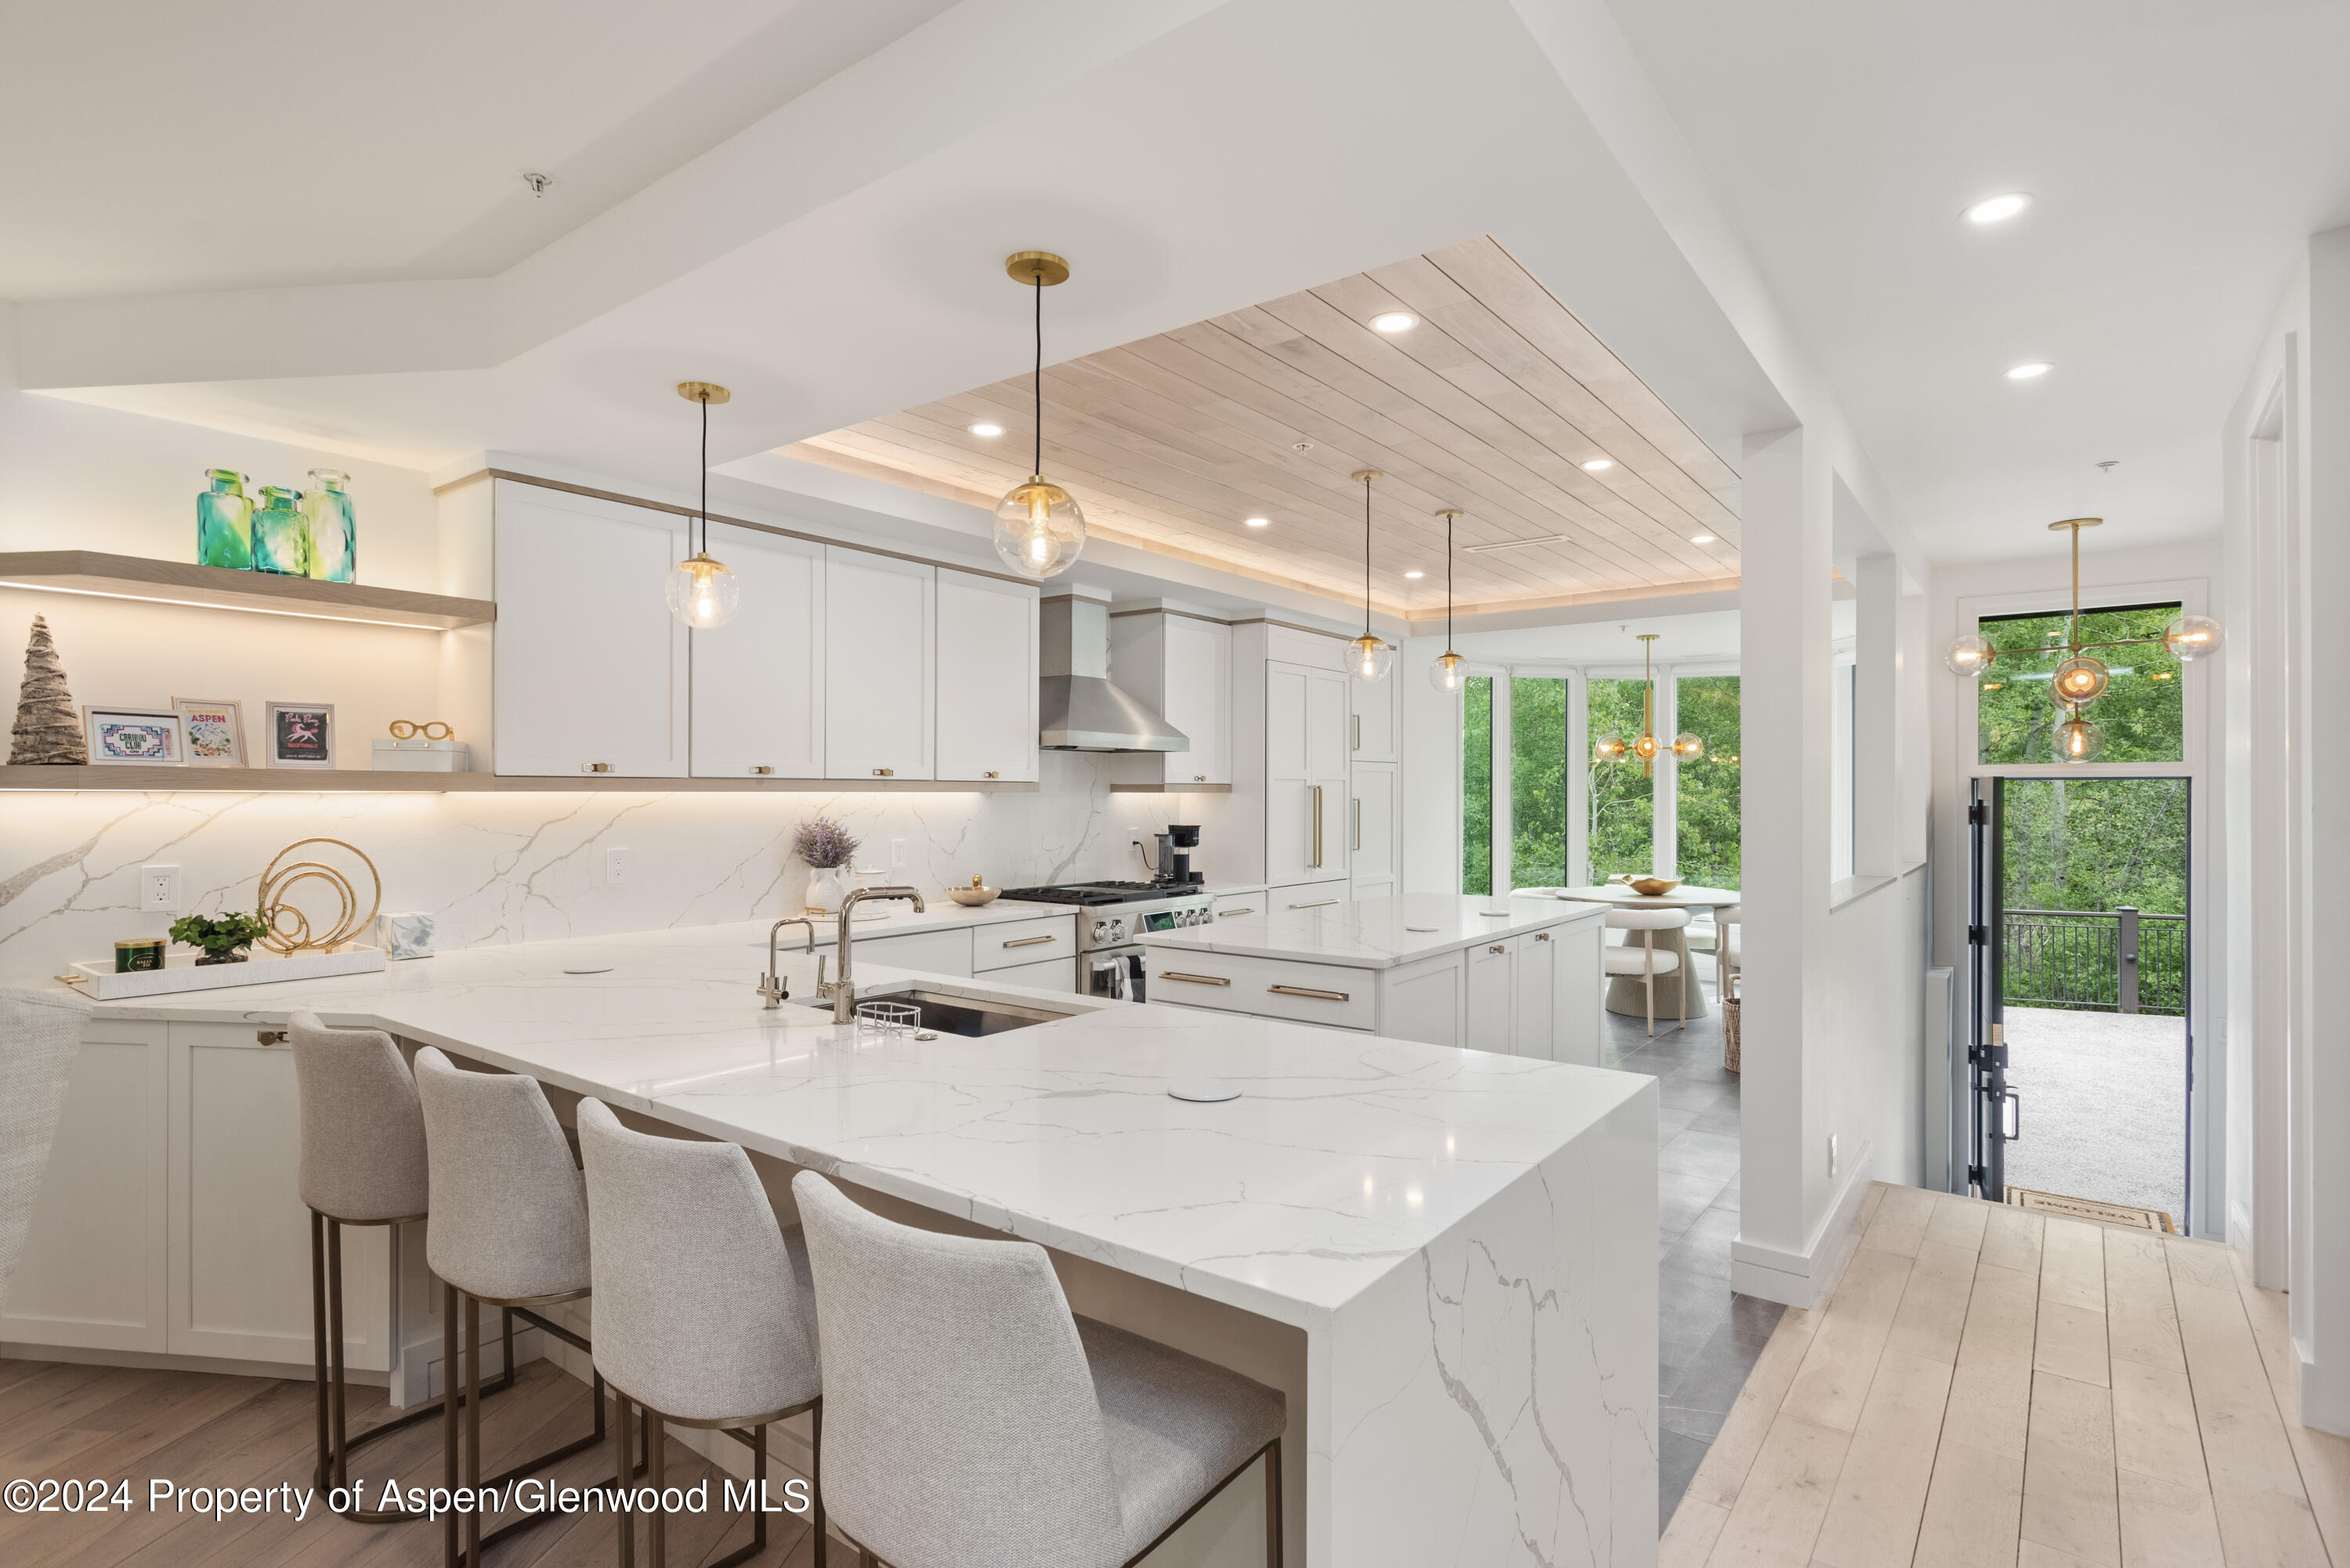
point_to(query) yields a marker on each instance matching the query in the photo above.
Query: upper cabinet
(986, 677)
(1181, 665)
(758, 680)
(879, 691)
(590, 674)
(1373, 724)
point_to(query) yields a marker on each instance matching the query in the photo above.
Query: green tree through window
(2142, 711)
(1477, 785)
(1707, 828)
(1537, 782)
(1621, 803)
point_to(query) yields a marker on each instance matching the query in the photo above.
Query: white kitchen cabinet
(1491, 983)
(1423, 1001)
(1579, 1026)
(1023, 943)
(879, 694)
(591, 669)
(1374, 726)
(1533, 1010)
(1181, 664)
(1308, 818)
(1372, 830)
(1049, 974)
(1236, 902)
(985, 678)
(758, 680)
(1306, 896)
(938, 952)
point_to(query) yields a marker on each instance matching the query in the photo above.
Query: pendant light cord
(1037, 380)
(1366, 557)
(1448, 582)
(704, 402)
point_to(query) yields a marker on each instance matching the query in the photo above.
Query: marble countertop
(1344, 1157)
(1377, 933)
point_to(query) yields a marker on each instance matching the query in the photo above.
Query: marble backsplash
(526, 867)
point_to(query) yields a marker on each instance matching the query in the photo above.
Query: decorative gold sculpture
(276, 912)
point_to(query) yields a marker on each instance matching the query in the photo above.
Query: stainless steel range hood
(1079, 709)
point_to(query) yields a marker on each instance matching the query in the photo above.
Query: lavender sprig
(823, 844)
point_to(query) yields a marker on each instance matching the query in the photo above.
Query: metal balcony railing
(2108, 960)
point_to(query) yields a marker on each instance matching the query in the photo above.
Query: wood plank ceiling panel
(1493, 402)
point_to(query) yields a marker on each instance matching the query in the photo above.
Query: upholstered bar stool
(974, 1422)
(705, 1313)
(508, 1230)
(362, 1163)
(1646, 961)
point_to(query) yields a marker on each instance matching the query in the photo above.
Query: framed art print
(215, 732)
(135, 737)
(301, 736)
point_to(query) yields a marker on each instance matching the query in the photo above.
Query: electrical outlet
(159, 890)
(616, 868)
(896, 855)
(1833, 1163)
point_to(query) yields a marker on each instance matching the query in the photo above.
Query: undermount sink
(966, 1015)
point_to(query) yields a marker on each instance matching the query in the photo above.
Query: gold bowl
(978, 893)
(1652, 887)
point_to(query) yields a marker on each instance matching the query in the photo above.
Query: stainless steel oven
(1112, 918)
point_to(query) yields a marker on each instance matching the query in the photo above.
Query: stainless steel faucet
(771, 984)
(841, 993)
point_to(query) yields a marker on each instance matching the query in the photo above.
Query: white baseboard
(1804, 1279)
(160, 1361)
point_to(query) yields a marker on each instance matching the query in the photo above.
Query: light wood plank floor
(1988, 1386)
(60, 1419)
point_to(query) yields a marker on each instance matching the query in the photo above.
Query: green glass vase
(334, 528)
(224, 522)
(281, 534)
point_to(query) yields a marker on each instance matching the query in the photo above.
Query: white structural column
(1786, 655)
(1876, 718)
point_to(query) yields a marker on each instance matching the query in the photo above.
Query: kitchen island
(1503, 974)
(1445, 1259)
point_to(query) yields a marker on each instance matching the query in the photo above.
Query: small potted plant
(827, 846)
(223, 938)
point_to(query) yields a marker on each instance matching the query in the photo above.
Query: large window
(1537, 782)
(1706, 833)
(1477, 785)
(1620, 796)
(2142, 711)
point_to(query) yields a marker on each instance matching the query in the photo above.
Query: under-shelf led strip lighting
(207, 603)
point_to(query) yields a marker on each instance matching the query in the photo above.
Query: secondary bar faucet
(840, 992)
(771, 984)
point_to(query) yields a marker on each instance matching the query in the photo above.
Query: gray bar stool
(508, 1228)
(705, 1312)
(362, 1163)
(977, 1423)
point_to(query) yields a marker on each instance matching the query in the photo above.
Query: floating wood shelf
(350, 781)
(217, 587)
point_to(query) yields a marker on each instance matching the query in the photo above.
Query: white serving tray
(181, 973)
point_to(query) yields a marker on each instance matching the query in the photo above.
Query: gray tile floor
(1708, 1335)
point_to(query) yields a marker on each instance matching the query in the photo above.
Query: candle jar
(137, 953)
(224, 522)
(281, 535)
(334, 528)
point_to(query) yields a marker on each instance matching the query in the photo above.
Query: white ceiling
(2180, 152)
(157, 148)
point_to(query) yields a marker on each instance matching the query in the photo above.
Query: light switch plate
(159, 890)
(616, 868)
(896, 855)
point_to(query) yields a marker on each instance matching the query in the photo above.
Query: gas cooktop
(1101, 892)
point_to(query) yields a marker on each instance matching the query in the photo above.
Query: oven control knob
(1102, 931)
(1118, 931)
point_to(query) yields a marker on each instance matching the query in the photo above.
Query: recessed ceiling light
(1701, 538)
(1596, 463)
(1394, 321)
(1998, 209)
(1415, 576)
(987, 430)
(2031, 372)
(1258, 522)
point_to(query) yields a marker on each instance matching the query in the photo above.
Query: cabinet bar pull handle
(1317, 861)
(993, 773)
(595, 767)
(1542, 936)
(1358, 822)
(1497, 948)
(1358, 732)
(761, 768)
(271, 1036)
(1308, 991)
(885, 772)
(1032, 941)
(1194, 979)
(1198, 778)
(1314, 904)
(1227, 914)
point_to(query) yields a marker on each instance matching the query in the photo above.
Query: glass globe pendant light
(1039, 528)
(1449, 672)
(2193, 636)
(701, 591)
(1371, 657)
(2079, 740)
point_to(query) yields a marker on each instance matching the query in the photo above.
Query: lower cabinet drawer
(1053, 974)
(1024, 943)
(1308, 895)
(938, 952)
(1268, 988)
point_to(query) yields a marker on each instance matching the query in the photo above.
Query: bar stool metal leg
(623, 1516)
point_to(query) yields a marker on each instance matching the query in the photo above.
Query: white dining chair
(1647, 961)
(1725, 947)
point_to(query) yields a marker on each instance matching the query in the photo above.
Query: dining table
(1625, 992)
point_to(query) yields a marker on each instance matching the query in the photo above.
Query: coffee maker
(1173, 865)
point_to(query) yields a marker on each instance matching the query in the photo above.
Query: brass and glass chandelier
(701, 591)
(2080, 678)
(1611, 747)
(1039, 529)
